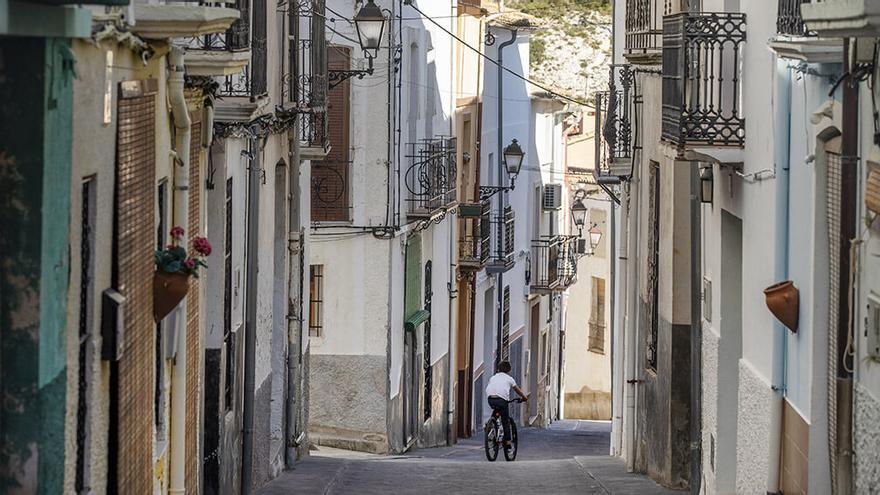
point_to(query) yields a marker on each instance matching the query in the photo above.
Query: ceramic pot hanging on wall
(168, 290)
(783, 300)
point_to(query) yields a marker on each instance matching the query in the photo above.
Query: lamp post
(513, 158)
(579, 215)
(707, 184)
(370, 25)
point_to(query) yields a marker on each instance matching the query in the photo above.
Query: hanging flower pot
(168, 290)
(174, 266)
(783, 300)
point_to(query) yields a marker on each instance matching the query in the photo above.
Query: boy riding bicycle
(498, 392)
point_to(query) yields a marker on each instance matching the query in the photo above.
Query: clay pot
(783, 300)
(168, 290)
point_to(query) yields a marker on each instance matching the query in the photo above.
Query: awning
(415, 320)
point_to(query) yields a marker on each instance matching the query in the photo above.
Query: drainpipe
(452, 341)
(182, 123)
(250, 330)
(499, 278)
(631, 323)
(780, 344)
(295, 288)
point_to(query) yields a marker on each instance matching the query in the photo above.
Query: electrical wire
(494, 62)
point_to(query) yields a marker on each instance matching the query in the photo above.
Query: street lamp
(513, 159)
(706, 185)
(579, 215)
(370, 23)
(595, 236)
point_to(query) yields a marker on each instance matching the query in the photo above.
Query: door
(464, 358)
(534, 361)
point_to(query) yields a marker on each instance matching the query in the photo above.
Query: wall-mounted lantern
(513, 159)
(707, 184)
(579, 215)
(595, 237)
(370, 24)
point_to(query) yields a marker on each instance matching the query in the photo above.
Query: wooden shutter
(330, 188)
(135, 240)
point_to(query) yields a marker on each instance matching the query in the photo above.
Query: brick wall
(193, 335)
(135, 243)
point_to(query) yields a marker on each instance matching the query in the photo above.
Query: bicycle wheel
(491, 443)
(510, 452)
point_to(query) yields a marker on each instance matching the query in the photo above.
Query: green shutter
(413, 295)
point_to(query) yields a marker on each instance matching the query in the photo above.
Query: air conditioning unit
(552, 197)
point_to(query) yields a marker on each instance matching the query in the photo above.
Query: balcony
(702, 94)
(430, 178)
(306, 83)
(644, 31)
(842, 18)
(503, 231)
(794, 41)
(162, 21)
(553, 266)
(475, 236)
(614, 123)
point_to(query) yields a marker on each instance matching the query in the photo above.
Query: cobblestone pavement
(568, 458)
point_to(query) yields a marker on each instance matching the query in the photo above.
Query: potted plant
(174, 266)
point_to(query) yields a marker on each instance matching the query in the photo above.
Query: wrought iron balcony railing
(644, 30)
(789, 20)
(476, 238)
(615, 124)
(244, 35)
(430, 178)
(553, 264)
(503, 232)
(701, 79)
(305, 84)
(330, 197)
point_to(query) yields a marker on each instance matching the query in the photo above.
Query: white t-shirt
(500, 385)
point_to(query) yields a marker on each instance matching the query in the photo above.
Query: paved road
(569, 458)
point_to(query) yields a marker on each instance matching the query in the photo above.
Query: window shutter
(330, 188)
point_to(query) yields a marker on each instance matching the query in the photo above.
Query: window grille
(505, 324)
(228, 335)
(316, 301)
(653, 266)
(429, 381)
(159, 391)
(86, 319)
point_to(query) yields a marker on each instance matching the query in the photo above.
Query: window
(505, 324)
(330, 188)
(228, 334)
(596, 336)
(86, 320)
(653, 264)
(159, 392)
(316, 301)
(429, 295)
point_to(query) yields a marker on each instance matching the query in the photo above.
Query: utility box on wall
(552, 198)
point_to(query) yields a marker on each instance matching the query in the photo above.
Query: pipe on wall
(499, 278)
(183, 129)
(295, 296)
(250, 327)
(782, 112)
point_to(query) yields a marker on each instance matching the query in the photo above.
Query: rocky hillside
(572, 50)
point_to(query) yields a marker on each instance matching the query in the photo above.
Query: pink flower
(177, 232)
(190, 263)
(202, 246)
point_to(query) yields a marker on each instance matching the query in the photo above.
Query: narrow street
(569, 457)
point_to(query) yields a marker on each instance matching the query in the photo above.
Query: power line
(494, 62)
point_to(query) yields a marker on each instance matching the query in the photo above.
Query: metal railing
(475, 240)
(330, 191)
(306, 84)
(789, 20)
(615, 124)
(553, 263)
(644, 27)
(502, 234)
(596, 337)
(431, 177)
(701, 79)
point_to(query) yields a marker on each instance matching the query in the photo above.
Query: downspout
(182, 126)
(250, 330)
(782, 133)
(453, 288)
(631, 320)
(614, 445)
(696, 356)
(294, 315)
(499, 278)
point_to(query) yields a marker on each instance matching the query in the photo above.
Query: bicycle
(494, 436)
